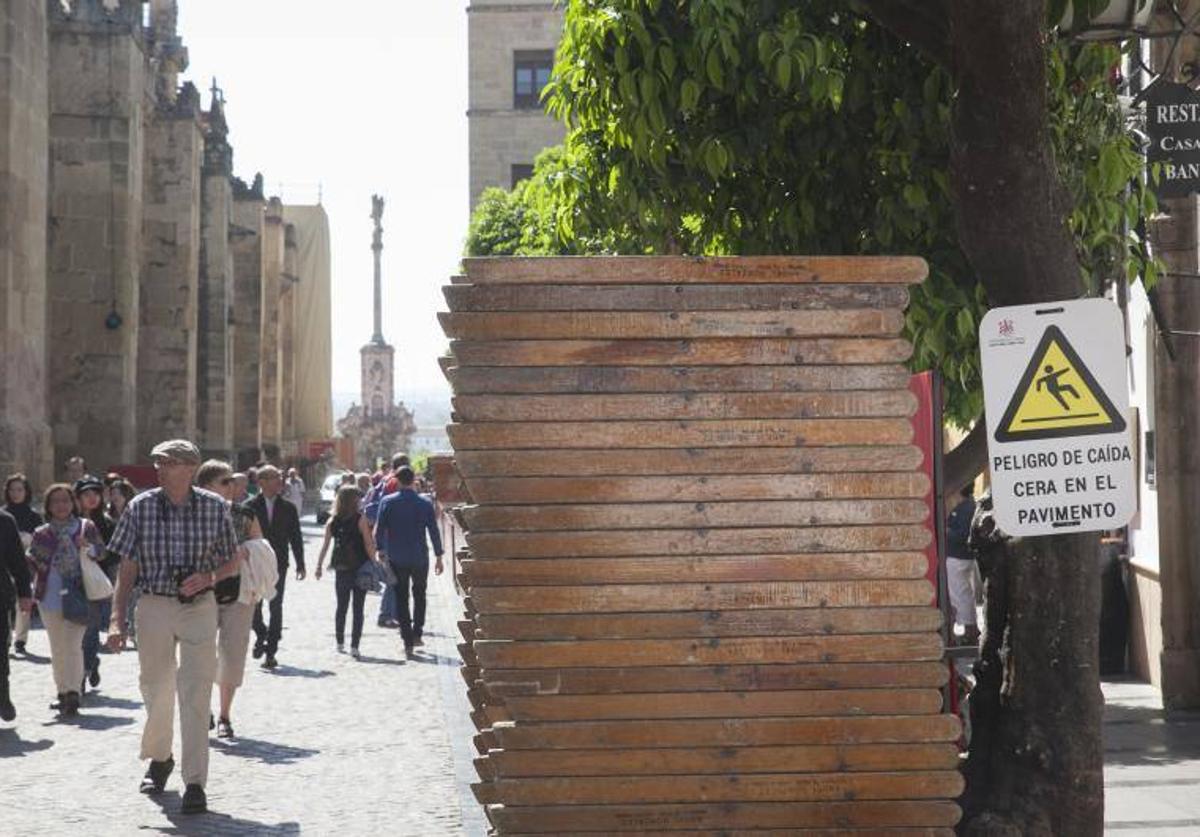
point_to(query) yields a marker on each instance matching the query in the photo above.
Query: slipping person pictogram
(1056, 387)
(1057, 396)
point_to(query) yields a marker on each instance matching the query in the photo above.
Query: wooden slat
(629, 680)
(497, 518)
(824, 621)
(740, 732)
(754, 704)
(728, 297)
(680, 434)
(869, 815)
(729, 760)
(744, 433)
(715, 351)
(690, 568)
(698, 488)
(568, 380)
(800, 832)
(637, 542)
(770, 787)
(634, 598)
(702, 406)
(699, 461)
(659, 325)
(881, 270)
(712, 651)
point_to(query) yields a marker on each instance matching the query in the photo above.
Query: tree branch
(921, 23)
(963, 464)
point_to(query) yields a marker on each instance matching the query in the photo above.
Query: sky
(354, 98)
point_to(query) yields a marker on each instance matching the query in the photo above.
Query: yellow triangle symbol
(1058, 396)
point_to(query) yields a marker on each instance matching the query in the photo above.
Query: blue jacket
(404, 518)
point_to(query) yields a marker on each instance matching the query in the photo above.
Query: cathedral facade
(145, 291)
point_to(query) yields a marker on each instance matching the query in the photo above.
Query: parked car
(329, 490)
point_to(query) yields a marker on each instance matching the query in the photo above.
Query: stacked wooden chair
(696, 578)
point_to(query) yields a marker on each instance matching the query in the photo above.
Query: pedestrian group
(183, 571)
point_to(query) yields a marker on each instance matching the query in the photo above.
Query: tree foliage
(766, 126)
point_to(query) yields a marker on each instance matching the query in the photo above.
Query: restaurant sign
(1173, 124)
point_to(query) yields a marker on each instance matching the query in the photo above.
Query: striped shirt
(171, 542)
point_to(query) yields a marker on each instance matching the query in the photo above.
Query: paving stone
(326, 744)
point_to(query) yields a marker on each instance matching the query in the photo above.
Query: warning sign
(1056, 393)
(1057, 397)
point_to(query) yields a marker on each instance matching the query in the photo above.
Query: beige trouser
(162, 624)
(233, 640)
(66, 650)
(21, 626)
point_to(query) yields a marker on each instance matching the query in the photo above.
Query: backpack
(349, 553)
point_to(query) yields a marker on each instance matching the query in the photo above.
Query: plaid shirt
(171, 542)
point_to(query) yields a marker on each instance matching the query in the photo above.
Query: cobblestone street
(325, 744)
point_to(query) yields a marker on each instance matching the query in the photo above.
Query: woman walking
(17, 496)
(89, 494)
(350, 532)
(58, 547)
(119, 494)
(233, 616)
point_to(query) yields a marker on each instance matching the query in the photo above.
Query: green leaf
(965, 324)
(915, 197)
(667, 60)
(783, 71)
(712, 64)
(689, 94)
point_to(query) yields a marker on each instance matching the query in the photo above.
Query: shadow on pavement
(293, 671)
(381, 661)
(13, 745)
(267, 752)
(86, 720)
(97, 699)
(36, 659)
(214, 822)
(434, 659)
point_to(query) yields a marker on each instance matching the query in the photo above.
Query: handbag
(75, 606)
(96, 584)
(366, 579)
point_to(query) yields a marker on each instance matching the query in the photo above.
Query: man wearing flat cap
(175, 543)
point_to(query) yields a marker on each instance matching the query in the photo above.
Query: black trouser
(268, 638)
(346, 590)
(5, 629)
(411, 627)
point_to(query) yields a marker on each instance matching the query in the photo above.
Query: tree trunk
(1036, 760)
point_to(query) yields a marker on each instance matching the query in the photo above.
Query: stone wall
(167, 363)
(270, 421)
(24, 56)
(97, 113)
(246, 243)
(288, 291)
(500, 135)
(214, 422)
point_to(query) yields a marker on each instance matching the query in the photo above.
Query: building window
(531, 73)
(521, 171)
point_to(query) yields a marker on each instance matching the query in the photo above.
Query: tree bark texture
(1036, 760)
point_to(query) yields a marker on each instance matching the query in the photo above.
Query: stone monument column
(24, 123)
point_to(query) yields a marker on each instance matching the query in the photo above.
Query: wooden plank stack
(696, 594)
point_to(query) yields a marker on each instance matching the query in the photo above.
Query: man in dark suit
(280, 522)
(14, 592)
